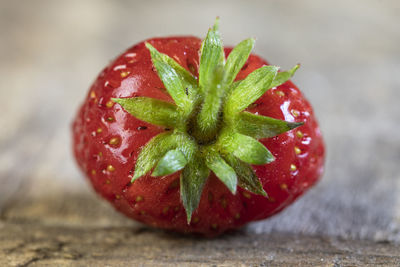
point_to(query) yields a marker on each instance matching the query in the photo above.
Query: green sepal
(158, 146)
(172, 161)
(174, 86)
(186, 78)
(151, 110)
(222, 170)
(247, 178)
(247, 149)
(192, 180)
(209, 113)
(259, 127)
(236, 59)
(249, 90)
(212, 55)
(284, 76)
(152, 152)
(233, 86)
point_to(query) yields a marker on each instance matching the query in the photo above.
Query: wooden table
(80, 230)
(50, 51)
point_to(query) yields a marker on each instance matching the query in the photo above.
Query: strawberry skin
(107, 141)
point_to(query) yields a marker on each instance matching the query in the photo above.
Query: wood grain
(141, 246)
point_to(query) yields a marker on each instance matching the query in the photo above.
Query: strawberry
(189, 136)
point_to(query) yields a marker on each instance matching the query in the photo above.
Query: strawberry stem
(211, 75)
(209, 118)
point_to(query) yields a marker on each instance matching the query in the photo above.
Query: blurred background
(349, 50)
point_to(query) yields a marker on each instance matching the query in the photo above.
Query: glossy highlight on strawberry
(186, 135)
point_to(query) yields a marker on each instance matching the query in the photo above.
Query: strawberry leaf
(185, 77)
(261, 126)
(247, 178)
(236, 59)
(172, 161)
(151, 110)
(212, 55)
(248, 149)
(249, 90)
(233, 86)
(284, 76)
(222, 170)
(157, 148)
(152, 153)
(173, 85)
(193, 178)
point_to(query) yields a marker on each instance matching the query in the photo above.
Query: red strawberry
(168, 134)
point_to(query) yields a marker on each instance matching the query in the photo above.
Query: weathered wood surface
(64, 232)
(127, 246)
(50, 51)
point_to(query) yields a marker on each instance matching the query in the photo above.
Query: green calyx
(211, 129)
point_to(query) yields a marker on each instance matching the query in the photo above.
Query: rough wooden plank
(25, 244)
(81, 230)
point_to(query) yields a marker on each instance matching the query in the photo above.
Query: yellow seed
(165, 210)
(195, 220)
(99, 130)
(142, 212)
(174, 184)
(192, 68)
(223, 203)
(297, 150)
(124, 74)
(176, 208)
(293, 167)
(100, 154)
(110, 119)
(92, 94)
(237, 216)
(246, 195)
(108, 181)
(114, 141)
(110, 168)
(295, 113)
(280, 93)
(109, 104)
(299, 134)
(271, 199)
(251, 106)
(93, 172)
(284, 186)
(214, 226)
(117, 196)
(139, 198)
(210, 197)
